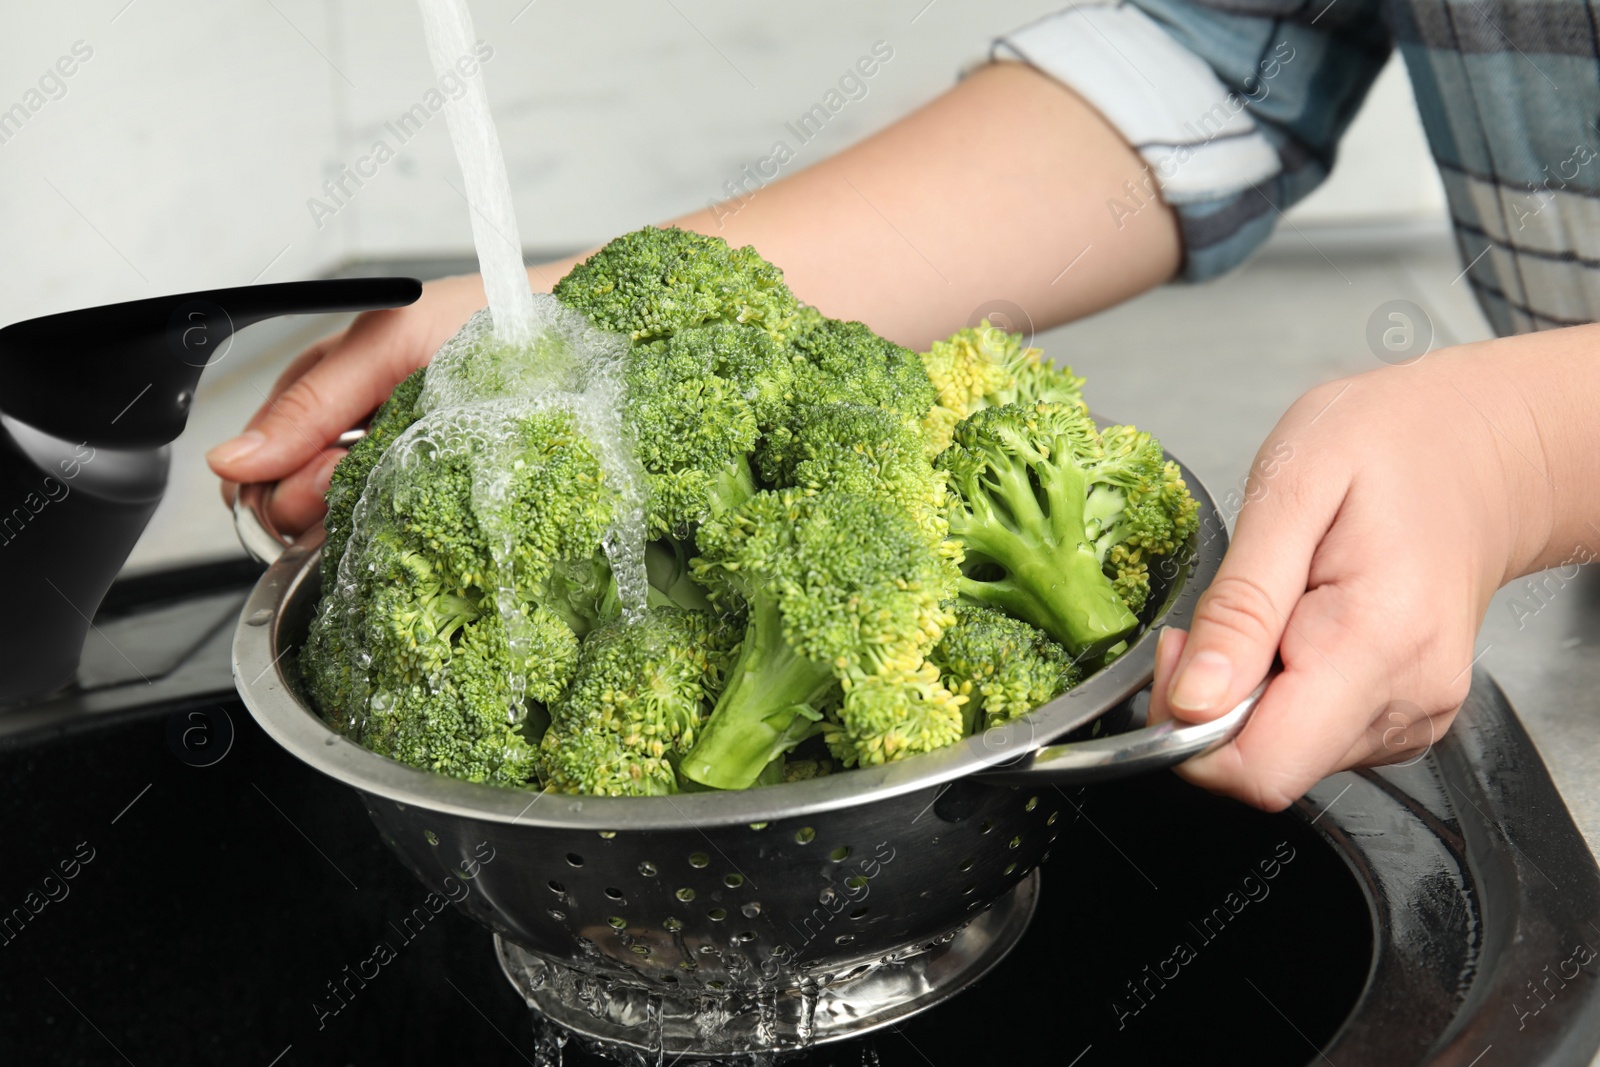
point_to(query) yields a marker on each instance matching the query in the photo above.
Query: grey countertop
(1209, 369)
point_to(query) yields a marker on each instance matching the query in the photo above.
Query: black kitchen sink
(178, 890)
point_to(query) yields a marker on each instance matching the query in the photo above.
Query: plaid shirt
(1237, 106)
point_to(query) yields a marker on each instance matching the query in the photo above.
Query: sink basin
(227, 904)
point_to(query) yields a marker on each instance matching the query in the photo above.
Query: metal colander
(753, 920)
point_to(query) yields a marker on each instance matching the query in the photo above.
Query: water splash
(448, 27)
(502, 408)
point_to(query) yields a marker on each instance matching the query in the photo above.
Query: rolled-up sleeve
(1236, 106)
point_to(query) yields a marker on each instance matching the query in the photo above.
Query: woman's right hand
(335, 385)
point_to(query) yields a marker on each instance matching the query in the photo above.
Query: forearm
(1537, 397)
(996, 190)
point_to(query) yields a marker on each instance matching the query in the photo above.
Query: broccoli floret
(983, 366)
(894, 714)
(855, 448)
(1003, 666)
(654, 282)
(635, 704)
(456, 722)
(392, 419)
(846, 363)
(475, 566)
(1040, 501)
(836, 586)
(865, 450)
(761, 369)
(692, 430)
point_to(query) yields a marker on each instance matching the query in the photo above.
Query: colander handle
(253, 523)
(1151, 748)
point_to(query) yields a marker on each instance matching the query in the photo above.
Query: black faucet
(89, 401)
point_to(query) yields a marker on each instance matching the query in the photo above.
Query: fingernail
(1203, 683)
(233, 450)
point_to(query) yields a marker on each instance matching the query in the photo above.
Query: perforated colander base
(773, 1020)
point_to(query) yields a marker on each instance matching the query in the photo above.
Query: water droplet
(259, 617)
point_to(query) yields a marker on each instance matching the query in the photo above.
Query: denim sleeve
(1237, 106)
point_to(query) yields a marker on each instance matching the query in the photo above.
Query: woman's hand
(331, 387)
(1381, 515)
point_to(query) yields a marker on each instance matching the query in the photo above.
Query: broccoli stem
(766, 708)
(1053, 579)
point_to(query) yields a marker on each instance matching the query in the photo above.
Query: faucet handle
(124, 375)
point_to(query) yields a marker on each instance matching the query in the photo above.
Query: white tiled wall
(184, 150)
(164, 164)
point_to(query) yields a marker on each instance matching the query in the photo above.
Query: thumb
(1241, 618)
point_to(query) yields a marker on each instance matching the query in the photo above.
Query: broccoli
(692, 429)
(1004, 666)
(463, 596)
(350, 474)
(856, 448)
(836, 586)
(635, 704)
(983, 366)
(654, 282)
(1041, 503)
(456, 723)
(852, 554)
(900, 712)
(846, 363)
